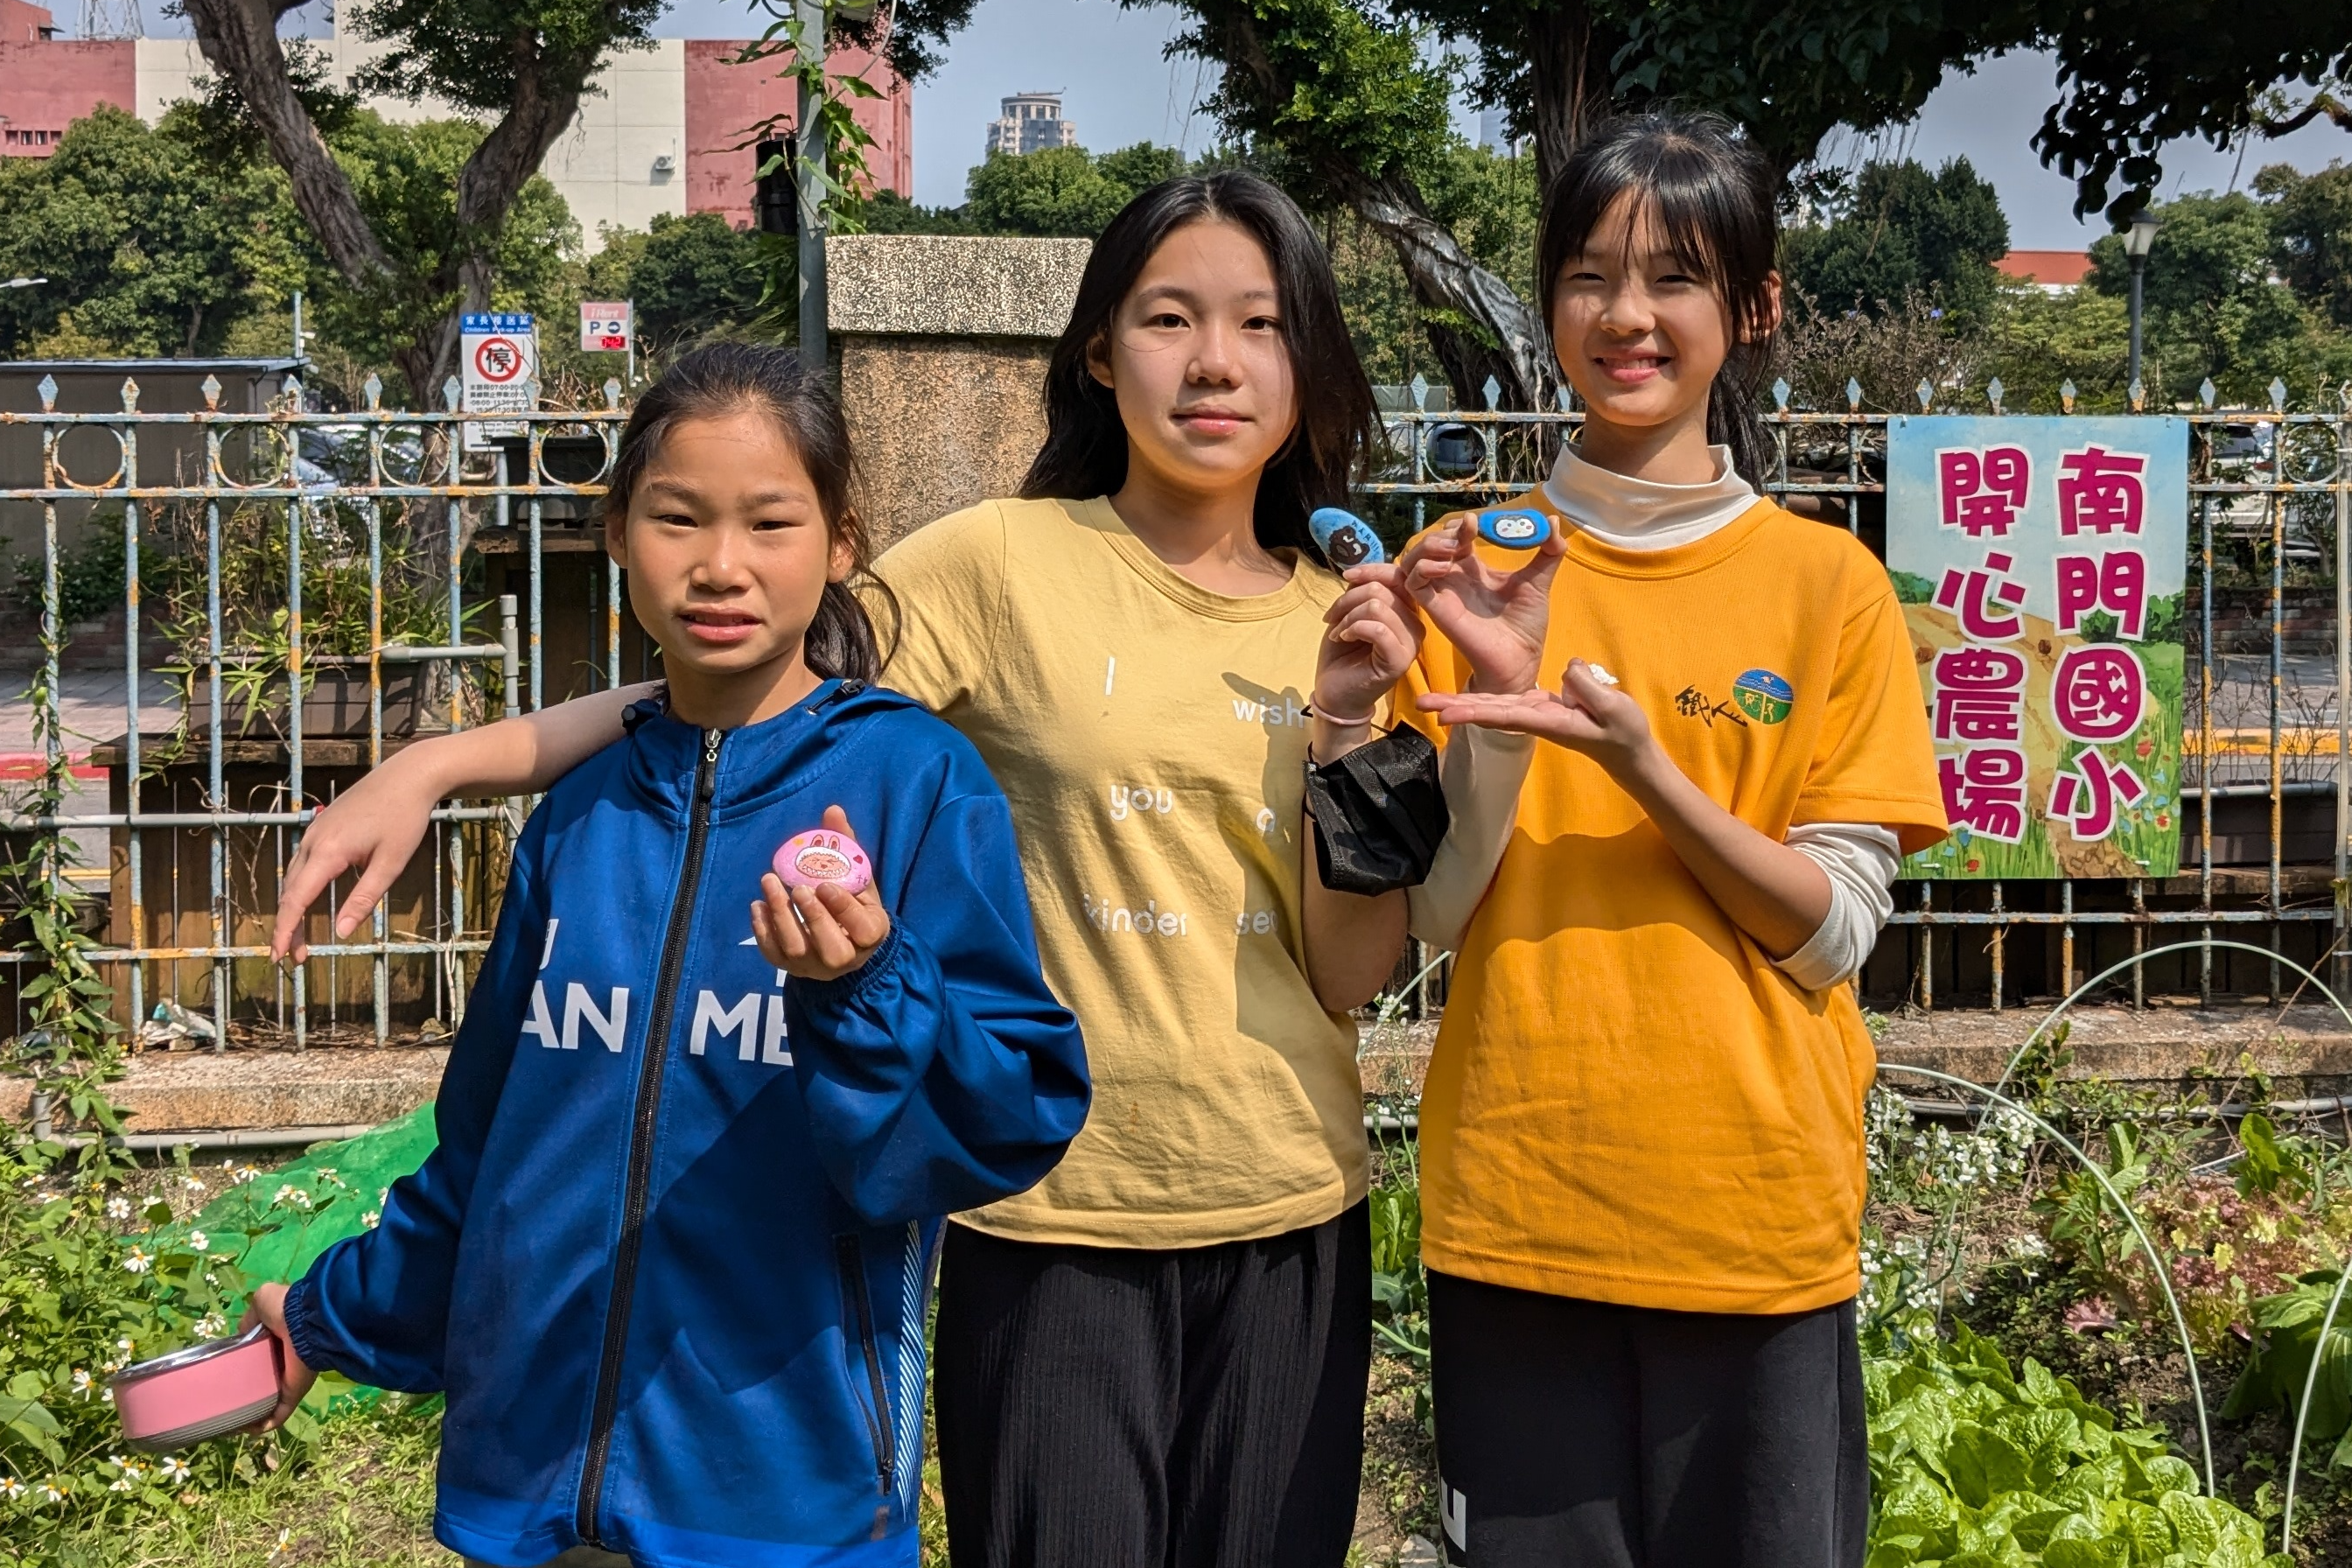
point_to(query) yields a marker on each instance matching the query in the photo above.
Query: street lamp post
(2139, 240)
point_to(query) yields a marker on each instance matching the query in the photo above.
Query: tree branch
(239, 39)
(2322, 103)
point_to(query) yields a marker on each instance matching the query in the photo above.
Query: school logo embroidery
(1763, 696)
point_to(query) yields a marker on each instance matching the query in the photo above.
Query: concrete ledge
(196, 1091)
(2311, 1046)
(948, 285)
(2306, 1050)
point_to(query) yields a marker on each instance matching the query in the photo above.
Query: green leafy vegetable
(1976, 1467)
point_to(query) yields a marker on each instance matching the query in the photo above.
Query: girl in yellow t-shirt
(1157, 1355)
(1641, 1131)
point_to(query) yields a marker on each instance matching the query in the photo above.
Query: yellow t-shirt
(1628, 1102)
(1151, 738)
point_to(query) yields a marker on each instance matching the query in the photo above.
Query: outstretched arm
(1777, 895)
(375, 827)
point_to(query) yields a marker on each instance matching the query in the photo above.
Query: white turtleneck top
(1482, 778)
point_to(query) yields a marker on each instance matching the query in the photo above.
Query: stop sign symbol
(498, 359)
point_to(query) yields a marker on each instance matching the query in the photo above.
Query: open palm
(1497, 619)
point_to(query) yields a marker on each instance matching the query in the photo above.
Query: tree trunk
(1569, 86)
(239, 39)
(1445, 278)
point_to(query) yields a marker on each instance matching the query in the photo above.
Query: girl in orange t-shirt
(1694, 751)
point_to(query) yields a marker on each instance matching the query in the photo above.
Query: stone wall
(943, 345)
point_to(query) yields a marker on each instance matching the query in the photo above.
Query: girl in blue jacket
(698, 1131)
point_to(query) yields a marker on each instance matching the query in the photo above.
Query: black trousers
(1579, 1435)
(1196, 1407)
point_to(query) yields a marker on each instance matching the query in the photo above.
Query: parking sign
(605, 326)
(498, 359)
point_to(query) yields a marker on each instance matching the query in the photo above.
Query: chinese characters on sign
(2040, 563)
(498, 361)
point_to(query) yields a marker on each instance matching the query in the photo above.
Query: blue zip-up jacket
(671, 1257)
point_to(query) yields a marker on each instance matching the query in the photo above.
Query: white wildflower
(81, 1382)
(211, 1325)
(175, 1470)
(117, 1208)
(199, 1240)
(138, 1262)
(370, 1218)
(11, 1488)
(51, 1491)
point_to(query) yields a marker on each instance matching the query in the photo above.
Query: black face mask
(1380, 814)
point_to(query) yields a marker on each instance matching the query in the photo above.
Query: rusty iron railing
(394, 495)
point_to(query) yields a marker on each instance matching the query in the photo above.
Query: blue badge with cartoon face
(1345, 539)
(1513, 528)
(1763, 696)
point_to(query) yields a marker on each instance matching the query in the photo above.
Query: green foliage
(150, 247)
(1336, 94)
(405, 178)
(689, 276)
(2038, 343)
(2138, 77)
(1900, 230)
(1790, 74)
(2286, 1334)
(2212, 308)
(80, 1299)
(90, 574)
(1973, 1465)
(1059, 190)
(1056, 191)
(476, 55)
(2311, 235)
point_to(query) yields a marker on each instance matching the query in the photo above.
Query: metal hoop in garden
(2179, 1319)
(2302, 1409)
(2205, 943)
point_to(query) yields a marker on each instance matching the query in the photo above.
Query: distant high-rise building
(1031, 121)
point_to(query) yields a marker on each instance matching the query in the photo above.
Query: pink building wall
(47, 84)
(724, 100)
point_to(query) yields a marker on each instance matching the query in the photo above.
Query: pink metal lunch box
(201, 1391)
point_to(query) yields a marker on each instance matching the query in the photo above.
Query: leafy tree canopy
(2311, 230)
(689, 277)
(2212, 308)
(154, 252)
(1898, 230)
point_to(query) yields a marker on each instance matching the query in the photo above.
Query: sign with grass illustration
(2040, 563)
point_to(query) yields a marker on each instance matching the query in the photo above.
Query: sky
(1118, 88)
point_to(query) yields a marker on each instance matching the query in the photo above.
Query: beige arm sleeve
(1481, 773)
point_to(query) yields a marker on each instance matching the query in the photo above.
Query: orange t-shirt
(1628, 1102)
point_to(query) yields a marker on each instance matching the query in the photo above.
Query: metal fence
(368, 561)
(406, 585)
(2265, 722)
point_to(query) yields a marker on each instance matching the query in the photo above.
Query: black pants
(1198, 1407)
(1578, 1434)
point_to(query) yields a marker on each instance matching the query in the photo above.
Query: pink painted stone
(820, 855)
(203, 1391)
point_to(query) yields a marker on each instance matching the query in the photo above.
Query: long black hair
(723, 378)
(1085, 453)
(1710, 195)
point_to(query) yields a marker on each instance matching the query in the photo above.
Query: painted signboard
(2041, 562)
